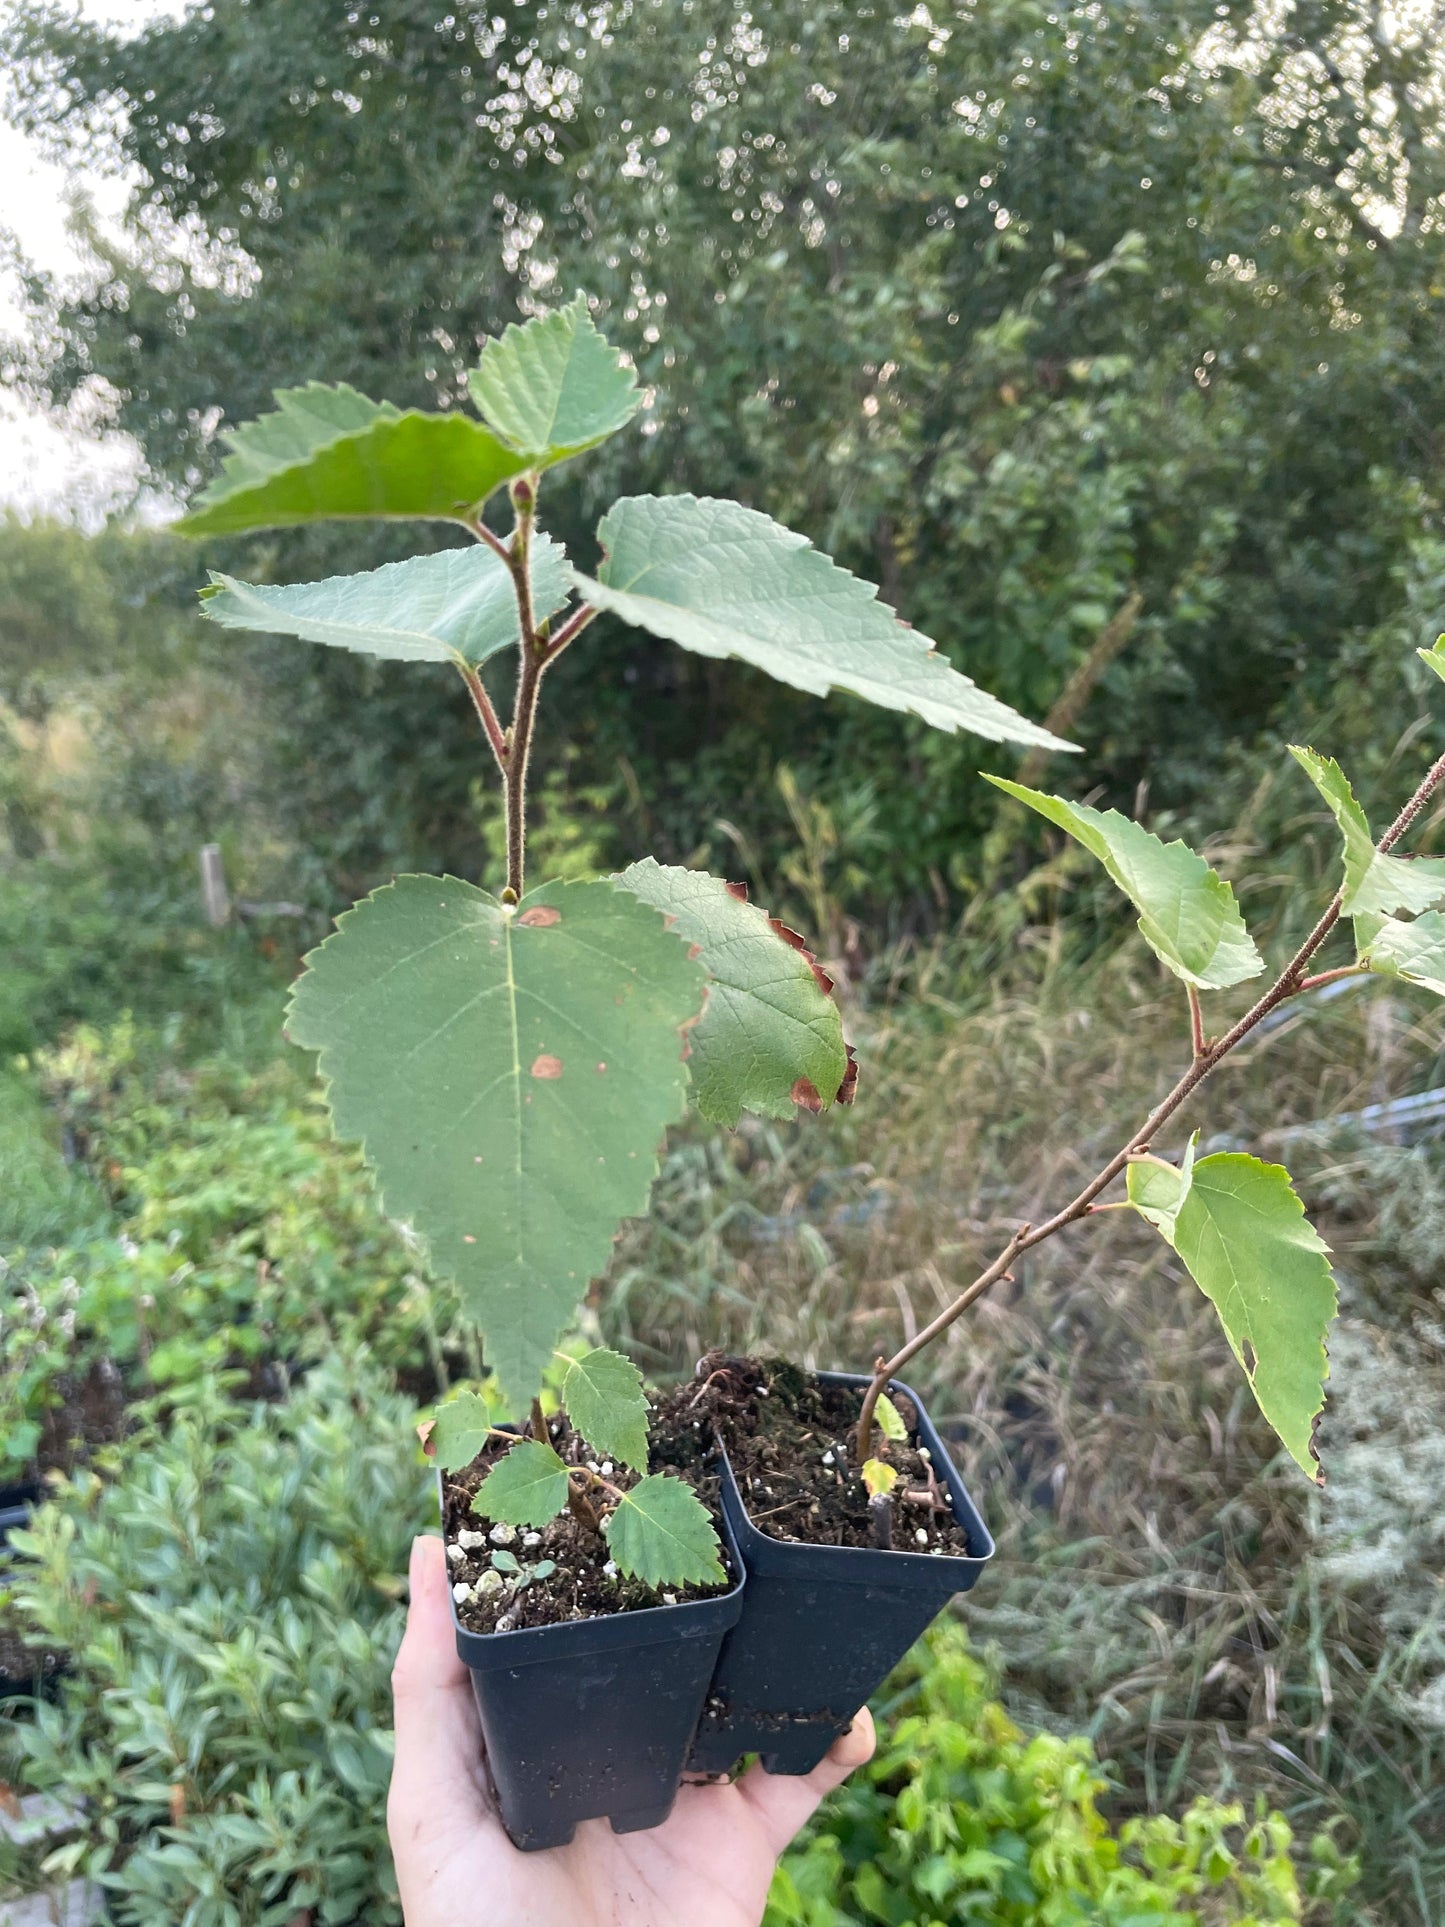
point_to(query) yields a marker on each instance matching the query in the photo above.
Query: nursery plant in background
(511, 1061)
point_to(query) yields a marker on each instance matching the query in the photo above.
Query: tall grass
(1167, 1581)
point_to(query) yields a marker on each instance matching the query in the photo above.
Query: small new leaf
(1244, 1239)
(1187, 912)
(1376, 884)
(456, 606)
(526, 1488)
(603, 1397)
(463, 1426)
(1157, 1189)
(661, 1534)
(554, 386)
(890, 1419)
(723, 580)
(879, 1476)
(1413, 951)
(1434, 658)
(770, 1034)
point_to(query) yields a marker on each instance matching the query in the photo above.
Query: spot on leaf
(546, 1067)
(804, 1093)
(540, 916)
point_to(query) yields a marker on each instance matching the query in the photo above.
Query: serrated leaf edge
(654, 1169)
(803, 1093)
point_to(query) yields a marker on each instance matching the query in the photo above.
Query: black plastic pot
(592, 1719)
(822, 1626)
(17, 1502)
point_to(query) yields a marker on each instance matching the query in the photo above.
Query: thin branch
(529, 685)
(494, 542)
(1291, 980)
(531, 661)
(1334, 976)
(519, 553)
(571, 628)
(491, 722)
(1196, 1023)
(582, 1510)
(1073, 698)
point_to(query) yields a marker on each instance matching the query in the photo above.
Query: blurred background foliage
(1108, 341)
(1019, 310)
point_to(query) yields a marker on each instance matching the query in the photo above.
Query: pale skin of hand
(709, 1865)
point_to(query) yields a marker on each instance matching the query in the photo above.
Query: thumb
(783, 1804)
(437, 1779)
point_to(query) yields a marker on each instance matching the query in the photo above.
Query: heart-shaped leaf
(510, 1074)
(1244, 1238)
(461, 1430)
(661, 1533)
(770, 1036)
(459, 605)
(329, 454)
(879, 1476)
(1376, 883)
(554, 386)
(1187, 912)
(526, 1488)
(602, 1395)
(723, 580)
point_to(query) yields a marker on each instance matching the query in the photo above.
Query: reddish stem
(1289, 983)
(575, 623)
(1196, 1022)
(491, 722)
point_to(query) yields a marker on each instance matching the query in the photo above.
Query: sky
(45, 466)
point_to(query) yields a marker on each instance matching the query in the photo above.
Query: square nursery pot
(592, 1719)
(823, 1626)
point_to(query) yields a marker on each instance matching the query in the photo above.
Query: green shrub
(243, 1240)
(230, 1603)
(962, 1818)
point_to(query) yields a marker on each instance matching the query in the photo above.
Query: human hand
(708, 1865)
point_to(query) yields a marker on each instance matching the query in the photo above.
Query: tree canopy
(1022, 311)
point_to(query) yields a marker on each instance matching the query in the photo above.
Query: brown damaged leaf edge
(804, 1092)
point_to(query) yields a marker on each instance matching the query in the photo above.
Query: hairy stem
(519, 746)
(571, 628)
(494, 542)
(1291, 980)
(1335, 976)
(512, 747)
(1196, 1022)
(491, 722)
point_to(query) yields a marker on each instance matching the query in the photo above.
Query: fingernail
(416, 1570)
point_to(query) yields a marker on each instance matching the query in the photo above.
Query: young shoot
(1234, 1221)
(511, 1057)
(654, 1528)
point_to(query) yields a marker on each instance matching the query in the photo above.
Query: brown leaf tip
(424, 1433)
(795, 942)
(737, 890)
(546, 1067)
(848, 1089)
(805, 1093)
